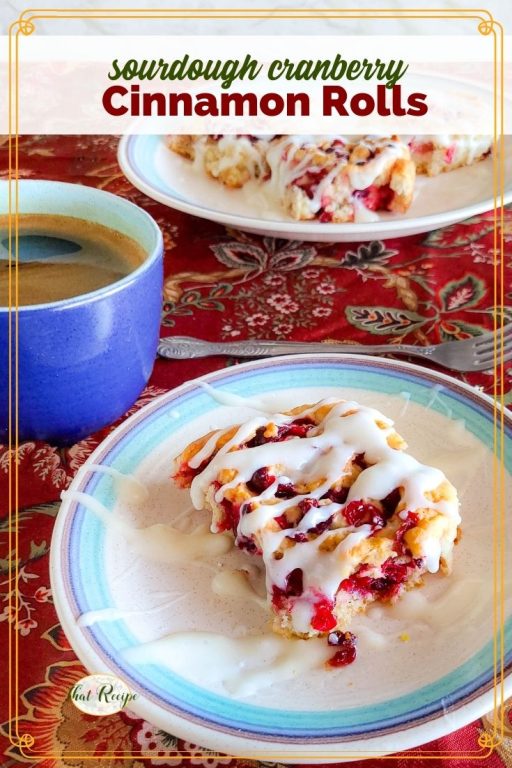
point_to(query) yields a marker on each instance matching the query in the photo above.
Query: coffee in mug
(60, 257)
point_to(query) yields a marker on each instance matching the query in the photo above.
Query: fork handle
(185, 347)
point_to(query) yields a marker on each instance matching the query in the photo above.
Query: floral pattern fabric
(225, 284)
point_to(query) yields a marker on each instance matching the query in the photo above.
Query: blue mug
(83, 361)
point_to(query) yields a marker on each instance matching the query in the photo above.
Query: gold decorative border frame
(486, 25)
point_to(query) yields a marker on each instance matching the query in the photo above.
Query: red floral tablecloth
(224, 284)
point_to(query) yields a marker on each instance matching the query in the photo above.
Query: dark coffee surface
(60, 257)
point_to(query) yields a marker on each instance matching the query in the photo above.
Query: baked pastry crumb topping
(328, 496)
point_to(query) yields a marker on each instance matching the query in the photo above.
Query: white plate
(399, 693)
(170, 179)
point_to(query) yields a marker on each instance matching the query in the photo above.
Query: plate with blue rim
(419, 674)
(174, 181)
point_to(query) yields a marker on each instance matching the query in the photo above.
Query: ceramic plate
(424, 668)
(164, 176)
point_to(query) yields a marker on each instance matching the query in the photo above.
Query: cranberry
(394, 575)
(297, 428)
(376, 198)
(326, 216)
(449, 153)
(258, 439)
(310, 181)
(306, 504)
(224, 524)
(260, 480)
(248, 545)
(294, 588)
(391, 502)
(346, 645)
(384, 587)
(299, 537)
(365, 586)
(323, 619)
(278, 598)
(309, 186)
(230, 518)
(410, 522)
(294, 583)
(322, 526)
(359, 460)
(285, 491)
(186, 474)
(395, 571)
(338, 496)
(338, 149)
(357, 585)
(361, 512)
(282, 521)
(344, 657)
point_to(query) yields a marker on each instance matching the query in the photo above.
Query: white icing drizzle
(465, 601)
(290, 158)
(244, 432)
(242, 666)
(362, 214)
(347, 429)
(113, 614)
(435, 397)
(273, 166)
(160, 542)
(236, 583)
(368, 638)
(89, 618)
(127, 486)
(232, 151)
(228, 398)
(286, 168)
(324, 571)
(384, 151)
(407, 397)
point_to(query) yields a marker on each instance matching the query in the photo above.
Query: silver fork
(475, 354)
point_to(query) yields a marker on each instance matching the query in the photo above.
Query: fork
(475, 354)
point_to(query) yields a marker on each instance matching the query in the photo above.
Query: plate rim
(408, 736)
(385, 228)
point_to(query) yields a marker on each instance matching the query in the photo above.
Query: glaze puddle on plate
(424, 667)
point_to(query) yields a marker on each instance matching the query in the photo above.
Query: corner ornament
(23, 741)
(488, 741)
(23, 25)
(486, 26)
